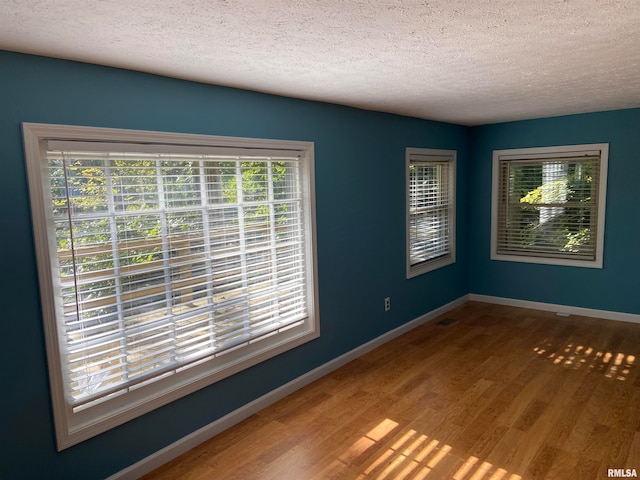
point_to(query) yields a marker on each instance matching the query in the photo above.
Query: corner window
(549, 205)
(430, 209)
(166, 262)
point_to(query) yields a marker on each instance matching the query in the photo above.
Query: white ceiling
(463, 61)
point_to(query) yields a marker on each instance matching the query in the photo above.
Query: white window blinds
(431, 209)
(549, 203)
(165, 259)
(549, 207)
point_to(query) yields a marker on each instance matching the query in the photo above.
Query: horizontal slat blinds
(430, 208)
(548, 206)
(153, 148)
(168, 258)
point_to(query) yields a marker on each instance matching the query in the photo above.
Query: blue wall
(360, 195)
(616, 286)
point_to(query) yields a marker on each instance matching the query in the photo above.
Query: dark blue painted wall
(617, 286)
(360, 195)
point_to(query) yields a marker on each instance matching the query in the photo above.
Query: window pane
(156, 272)
(549, 207)
(428, 211)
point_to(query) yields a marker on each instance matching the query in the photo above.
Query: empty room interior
(320, 240)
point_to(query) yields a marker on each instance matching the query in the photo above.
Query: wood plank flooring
(503, 393)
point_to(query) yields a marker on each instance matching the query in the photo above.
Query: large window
(167, 262)
(549, 205)
(430, 209)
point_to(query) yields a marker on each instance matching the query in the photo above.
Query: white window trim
(551, 152)
(429, 266)
(72, 428)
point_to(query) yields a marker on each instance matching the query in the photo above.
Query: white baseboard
(560, 309)
(203, 434)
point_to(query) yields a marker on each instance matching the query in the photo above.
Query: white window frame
(449, 257)
(545, 153)
(72, 426)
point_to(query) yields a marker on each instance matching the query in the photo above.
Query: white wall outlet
(387, 304)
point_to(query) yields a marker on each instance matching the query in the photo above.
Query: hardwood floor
(501, 394)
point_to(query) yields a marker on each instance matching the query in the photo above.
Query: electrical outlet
(387, 304)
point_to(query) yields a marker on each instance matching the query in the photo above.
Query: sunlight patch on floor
(415, 456)
(613, 365)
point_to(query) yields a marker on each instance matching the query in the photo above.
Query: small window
(167, 262)
(430, 209)
(549, 205)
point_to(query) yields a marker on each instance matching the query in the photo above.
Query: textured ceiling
(463, 61)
